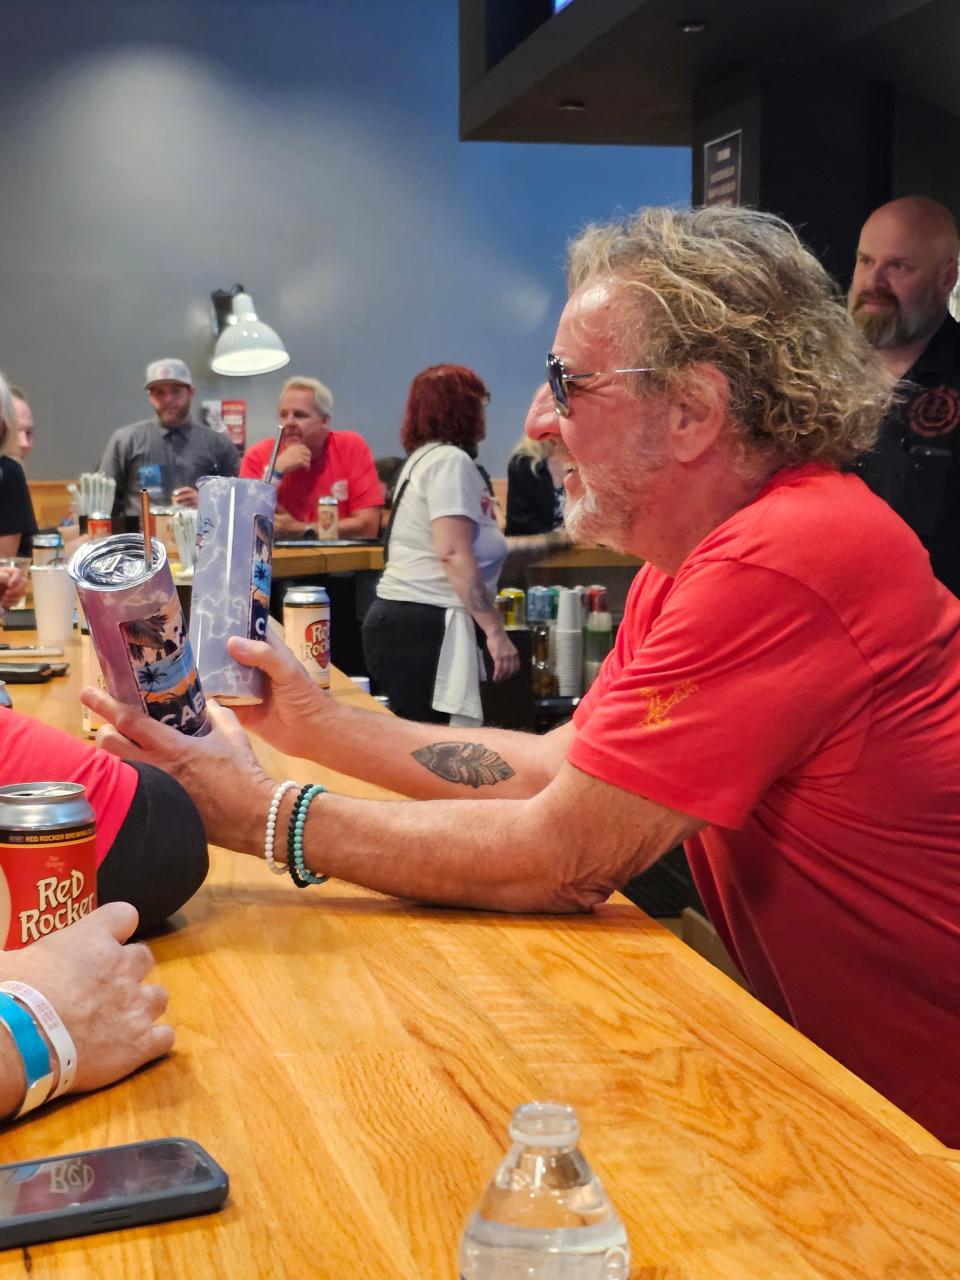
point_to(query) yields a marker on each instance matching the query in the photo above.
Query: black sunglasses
(558, 378)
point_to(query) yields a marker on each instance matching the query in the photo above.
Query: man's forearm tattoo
(469, 763)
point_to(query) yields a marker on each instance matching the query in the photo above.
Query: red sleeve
(255, 459)
(364, 490)
(743, 677)
(31, 751)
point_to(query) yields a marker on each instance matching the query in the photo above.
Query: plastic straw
(147, 530)
(273, 456)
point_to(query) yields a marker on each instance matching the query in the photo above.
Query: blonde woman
(534, 484)
(16, 510)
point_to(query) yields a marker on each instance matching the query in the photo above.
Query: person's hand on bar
(13, 584)
(96, 985)
(219, 770)
(285, 523)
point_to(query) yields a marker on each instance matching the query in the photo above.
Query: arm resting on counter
(565, 849)
(362, 523)
(158, 858)
(96, 985)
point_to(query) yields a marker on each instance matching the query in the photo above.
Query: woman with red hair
(443, 549)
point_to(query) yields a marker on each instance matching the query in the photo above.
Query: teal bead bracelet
(299, 874)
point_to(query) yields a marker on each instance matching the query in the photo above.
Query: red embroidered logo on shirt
(658, 708)
(935, 412)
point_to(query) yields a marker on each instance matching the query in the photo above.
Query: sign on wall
(229, 417)
(721, 169)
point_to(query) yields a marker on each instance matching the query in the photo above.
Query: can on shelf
(539, 604)
(597, 599)
(512, 603)
(48, 860)
(328, 519)
(47, 547)
(99, 526)
(137, 628)
(306, 629)
(162, 517)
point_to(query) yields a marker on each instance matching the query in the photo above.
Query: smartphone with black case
(106, 1189)
(25, 672)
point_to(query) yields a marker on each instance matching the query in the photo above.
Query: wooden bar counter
(352, 1062)
(296, 562)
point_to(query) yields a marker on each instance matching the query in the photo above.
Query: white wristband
(278, 868)
(58, 1035)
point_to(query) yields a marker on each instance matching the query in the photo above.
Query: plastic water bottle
(545, 1215)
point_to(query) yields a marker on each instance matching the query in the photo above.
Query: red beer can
(597, 599)
(99, 526)
(48, 860)
(306, 629)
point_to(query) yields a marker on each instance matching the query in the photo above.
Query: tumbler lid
(116, 562)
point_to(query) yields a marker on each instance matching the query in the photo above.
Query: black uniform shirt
(148, 456)
(16, 509)
(915, 464)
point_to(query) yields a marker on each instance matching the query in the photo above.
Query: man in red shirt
(317, 462)
(784, 694)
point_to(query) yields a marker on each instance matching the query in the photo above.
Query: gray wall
(153, 150)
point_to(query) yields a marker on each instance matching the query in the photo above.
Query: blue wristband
(33, 1051)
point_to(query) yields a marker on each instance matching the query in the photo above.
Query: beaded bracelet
(291, 827)
(299, 874)
(37, 1067)
(278, 868)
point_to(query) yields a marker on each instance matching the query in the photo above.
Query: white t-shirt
(444, 482)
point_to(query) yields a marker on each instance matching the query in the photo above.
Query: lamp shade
(247, 345)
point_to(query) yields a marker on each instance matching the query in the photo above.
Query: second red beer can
(306, 629)
(48, 860)
(99, 526)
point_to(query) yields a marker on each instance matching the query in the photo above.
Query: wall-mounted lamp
(246, 345)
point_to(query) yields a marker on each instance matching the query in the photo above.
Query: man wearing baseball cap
(166, 455)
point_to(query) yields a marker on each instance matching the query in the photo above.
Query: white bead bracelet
(278, 868)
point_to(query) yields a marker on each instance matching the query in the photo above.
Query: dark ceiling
(623, 71)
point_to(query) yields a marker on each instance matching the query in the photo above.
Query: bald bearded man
(905, 271)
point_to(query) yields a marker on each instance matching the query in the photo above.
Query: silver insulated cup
(231, 582)
(137, 628)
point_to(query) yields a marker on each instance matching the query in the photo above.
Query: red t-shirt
(797, 686)
(345, 471)
(31, 751)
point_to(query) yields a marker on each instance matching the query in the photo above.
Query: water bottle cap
(545, 1124)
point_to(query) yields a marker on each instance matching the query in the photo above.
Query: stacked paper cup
(569, 642)
(183, 525)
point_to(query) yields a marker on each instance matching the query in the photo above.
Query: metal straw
(273, 456)
(147, 530)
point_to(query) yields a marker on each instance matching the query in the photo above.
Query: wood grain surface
(352, 1061)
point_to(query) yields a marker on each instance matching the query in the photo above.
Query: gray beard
(607, 518)
(894, 329)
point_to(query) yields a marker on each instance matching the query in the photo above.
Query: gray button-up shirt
(148, 456)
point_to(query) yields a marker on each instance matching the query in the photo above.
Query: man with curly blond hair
(784, 694)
